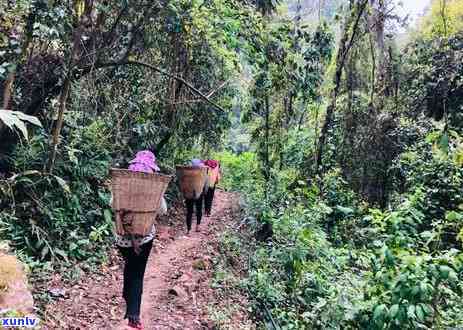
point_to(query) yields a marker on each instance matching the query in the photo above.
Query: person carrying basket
(214, 178)
(135, 249)
(193, 182)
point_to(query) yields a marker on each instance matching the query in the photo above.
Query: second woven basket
(192, 180)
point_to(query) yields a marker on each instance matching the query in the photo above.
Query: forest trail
(177, 291)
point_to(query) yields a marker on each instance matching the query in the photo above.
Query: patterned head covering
(211, 163)
(144, 161)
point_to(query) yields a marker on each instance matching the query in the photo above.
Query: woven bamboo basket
(136, 200)
(192, 180)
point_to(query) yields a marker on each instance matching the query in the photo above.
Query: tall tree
(348, 38)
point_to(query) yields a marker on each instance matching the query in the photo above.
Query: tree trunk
(8, 90)
(373, 68)
(7, 96)
(9, 84)
(345, 45)
(379, 16)
(267, 137)
(77, 35)
(59, 123)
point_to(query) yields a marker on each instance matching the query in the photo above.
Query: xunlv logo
(13, 322)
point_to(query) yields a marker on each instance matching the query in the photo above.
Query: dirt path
(177, 287)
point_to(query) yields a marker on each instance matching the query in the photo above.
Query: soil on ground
(177, 286)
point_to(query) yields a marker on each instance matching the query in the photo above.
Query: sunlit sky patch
(414, 8)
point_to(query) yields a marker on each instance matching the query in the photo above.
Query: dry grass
(9, 271)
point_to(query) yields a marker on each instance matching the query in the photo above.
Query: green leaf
(344, 210)
(423, 289)
(16, 119)
(444, 272)
(7, 118)
(411, 312)
(389, 257)
(453, 278)
(393, 311)
(44, 252)
(63, 184)
(22, 128)
(108, 216)
(427, 310)
(444, 143)
(420, 313)
(415, 291)
(104, 197)
(379, 312)
(453, 216)
(61, 253)
(432, 137)
(31, 119)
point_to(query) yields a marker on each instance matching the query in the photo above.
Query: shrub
(65, 215)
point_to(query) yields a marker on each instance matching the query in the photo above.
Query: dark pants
(208, 200)
(134, 271)
(190, 205)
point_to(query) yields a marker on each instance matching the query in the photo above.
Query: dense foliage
(375, 243)
(105, 81)
(346, 145)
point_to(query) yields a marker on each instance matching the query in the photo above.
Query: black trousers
(208, 200)
(134, 271)
(190, 205)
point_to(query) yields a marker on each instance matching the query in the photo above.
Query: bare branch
(170, 75)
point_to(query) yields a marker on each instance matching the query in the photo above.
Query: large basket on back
(192, 180)
(136, 200)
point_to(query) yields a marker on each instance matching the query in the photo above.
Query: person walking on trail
(136, 250)
(192, 203)
(214, 178)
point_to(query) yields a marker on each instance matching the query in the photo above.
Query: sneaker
(135, 325)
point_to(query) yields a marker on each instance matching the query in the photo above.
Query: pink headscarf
(214, 173)
(211, 163)
(144, 161)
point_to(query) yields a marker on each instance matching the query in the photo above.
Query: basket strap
(126, 224)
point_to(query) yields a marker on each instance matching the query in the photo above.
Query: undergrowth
(332, 261)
